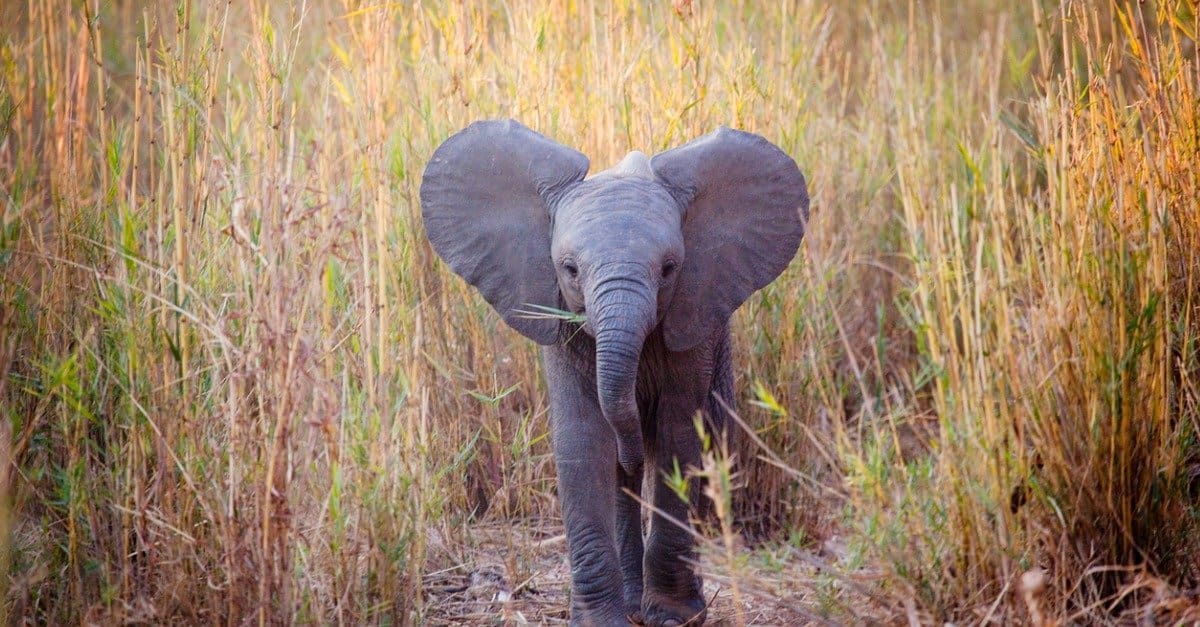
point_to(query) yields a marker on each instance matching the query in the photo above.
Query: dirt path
(520, 576)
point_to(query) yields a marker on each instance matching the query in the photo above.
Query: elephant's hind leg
(673, 589)
(629, 539)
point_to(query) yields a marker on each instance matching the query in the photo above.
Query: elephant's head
(679, 240)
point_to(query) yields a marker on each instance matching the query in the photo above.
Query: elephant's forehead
(614, 213)
(613, 192)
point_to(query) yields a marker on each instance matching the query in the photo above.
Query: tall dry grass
(1053, 307)
(237, 385)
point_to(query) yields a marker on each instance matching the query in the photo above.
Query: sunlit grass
(238, 385)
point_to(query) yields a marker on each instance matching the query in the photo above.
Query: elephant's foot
(606, 609)
(660, 610)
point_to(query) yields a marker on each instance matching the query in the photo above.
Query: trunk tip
(631, 457)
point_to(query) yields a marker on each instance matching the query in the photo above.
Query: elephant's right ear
(486, 198)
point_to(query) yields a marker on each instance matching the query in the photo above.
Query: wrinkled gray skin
(657, 254)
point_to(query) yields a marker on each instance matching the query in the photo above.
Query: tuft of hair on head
(636, 163)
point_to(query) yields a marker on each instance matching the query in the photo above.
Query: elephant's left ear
(745, 206)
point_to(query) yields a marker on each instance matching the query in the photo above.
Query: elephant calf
(655, 254)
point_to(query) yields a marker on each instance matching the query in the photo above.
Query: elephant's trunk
(622, 312)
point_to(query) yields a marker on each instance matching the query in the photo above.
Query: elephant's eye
(668, 268)
(571, 268)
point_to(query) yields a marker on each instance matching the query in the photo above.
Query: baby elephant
(654, 256)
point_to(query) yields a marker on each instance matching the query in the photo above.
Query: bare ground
(520, 575)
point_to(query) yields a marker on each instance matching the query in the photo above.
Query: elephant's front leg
(586, 457)
(673, 594)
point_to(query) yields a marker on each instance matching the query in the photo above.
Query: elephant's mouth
(585, 323)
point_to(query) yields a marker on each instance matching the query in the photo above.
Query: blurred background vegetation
(236, 385)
